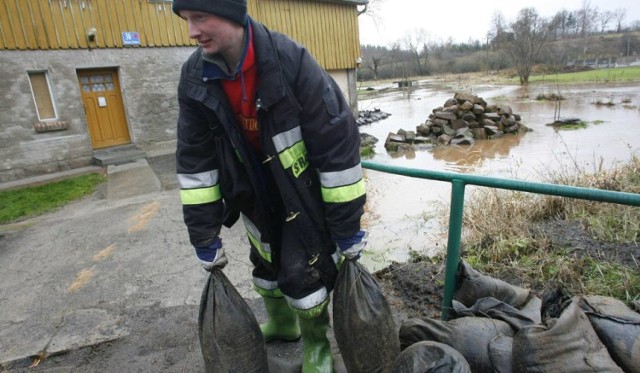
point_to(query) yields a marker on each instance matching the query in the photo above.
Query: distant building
(77, 76)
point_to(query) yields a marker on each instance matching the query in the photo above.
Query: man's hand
(352, 247)
(212, 256)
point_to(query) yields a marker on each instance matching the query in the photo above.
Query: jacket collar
(271, 88)
(214, 66)
(271, 85)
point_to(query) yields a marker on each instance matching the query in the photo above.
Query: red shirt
(241, 93)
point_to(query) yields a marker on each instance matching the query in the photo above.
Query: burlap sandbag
(500, 354)
(617, 326)
(363, 323)
(470, 336)
(472, 285)
(430, 357)
(499, 310)
(230, 337)
(564, 344)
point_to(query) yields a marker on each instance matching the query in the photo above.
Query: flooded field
(405, 214)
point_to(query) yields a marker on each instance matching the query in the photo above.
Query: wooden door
(104, 107)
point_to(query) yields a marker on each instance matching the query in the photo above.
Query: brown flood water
(403, 213)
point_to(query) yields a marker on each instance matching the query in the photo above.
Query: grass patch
(32, 201)
(515, 242)
(549, 97)
(610, 280)
(618, 74)
(367, 151)
(571, 126)
(604, 103)
(366, 91)
(560, 126)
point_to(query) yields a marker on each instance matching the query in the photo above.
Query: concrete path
(110, 283)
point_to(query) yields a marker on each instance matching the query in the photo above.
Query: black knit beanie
(234, 10)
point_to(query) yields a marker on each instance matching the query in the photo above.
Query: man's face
(214, 34)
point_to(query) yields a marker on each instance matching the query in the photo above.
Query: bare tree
(498, 25)
(619, 14)
(372, 10)
(564, 19)
(373, 58)
(524, 40)
(401, 61)
(586, 18)
(373, 61)
(603, 19)
(416, 43)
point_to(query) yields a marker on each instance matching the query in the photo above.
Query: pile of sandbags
(498, 327)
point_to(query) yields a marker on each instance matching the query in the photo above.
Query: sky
(463, 19)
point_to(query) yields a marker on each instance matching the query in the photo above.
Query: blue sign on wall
(130, 38)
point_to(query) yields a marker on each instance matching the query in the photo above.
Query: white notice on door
(102, 102)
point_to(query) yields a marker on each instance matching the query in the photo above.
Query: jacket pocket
(334, 106)
(331, 101)
(234, 182)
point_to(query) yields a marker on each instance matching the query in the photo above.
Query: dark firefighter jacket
(309, 139)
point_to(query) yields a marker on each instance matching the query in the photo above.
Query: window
(42, 95)
(97, 83)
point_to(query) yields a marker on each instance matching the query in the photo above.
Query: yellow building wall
(328, 30)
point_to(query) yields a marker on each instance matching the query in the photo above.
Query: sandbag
(617, 326)
(230, 337)
(468, 335)
(363, 324)
(472, 285)
(533, 309)
(499, 310)
(565, 344)
(430, 357)
(500, 354)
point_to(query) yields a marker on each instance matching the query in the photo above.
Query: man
(264, 133)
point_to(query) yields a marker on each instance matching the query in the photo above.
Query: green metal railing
(458, 183)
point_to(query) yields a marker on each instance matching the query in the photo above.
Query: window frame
(45, 73)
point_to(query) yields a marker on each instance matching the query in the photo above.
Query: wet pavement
(114, 273)
(111, 284)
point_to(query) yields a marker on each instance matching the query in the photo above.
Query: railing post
(453, 244)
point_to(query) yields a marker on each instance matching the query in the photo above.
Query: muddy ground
(415, 289)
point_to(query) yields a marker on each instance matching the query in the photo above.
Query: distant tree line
(520, 44)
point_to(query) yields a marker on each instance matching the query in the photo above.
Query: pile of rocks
(461, 120)
(370, 116)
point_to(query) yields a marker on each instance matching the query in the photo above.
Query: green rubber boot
(282, 323)
(316, 348)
